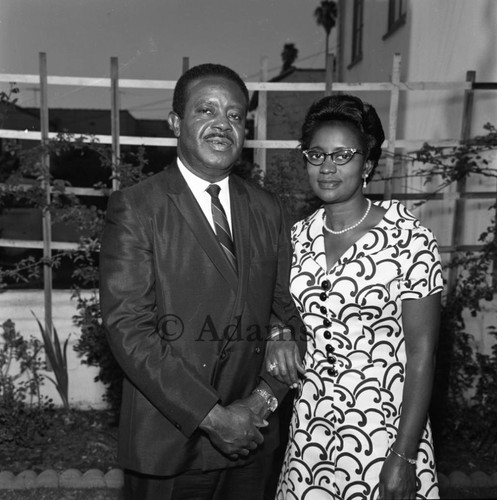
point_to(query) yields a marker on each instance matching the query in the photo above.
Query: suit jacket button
(257, 350)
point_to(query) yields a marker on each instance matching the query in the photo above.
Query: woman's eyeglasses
(341, 157)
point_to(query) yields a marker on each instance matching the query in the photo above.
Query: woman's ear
(367, 169)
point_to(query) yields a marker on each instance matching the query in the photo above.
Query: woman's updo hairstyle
(346, 108)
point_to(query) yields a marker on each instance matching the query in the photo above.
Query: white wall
(449, 38)
(440, 41)
(17, 305)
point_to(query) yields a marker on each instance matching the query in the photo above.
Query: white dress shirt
(198, 187)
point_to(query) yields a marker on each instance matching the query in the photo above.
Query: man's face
(212, 130)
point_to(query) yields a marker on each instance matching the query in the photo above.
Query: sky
(150, 39)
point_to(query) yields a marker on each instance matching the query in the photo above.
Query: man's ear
(174, 123)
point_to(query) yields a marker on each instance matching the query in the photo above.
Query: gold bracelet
(411, 461)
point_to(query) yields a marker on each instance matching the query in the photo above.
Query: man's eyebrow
(204, 100)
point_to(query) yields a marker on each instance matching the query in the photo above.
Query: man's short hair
(197, 73)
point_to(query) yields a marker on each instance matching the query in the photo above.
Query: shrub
(24, 413)
(92, 346)
(464, 402)
(70, 209)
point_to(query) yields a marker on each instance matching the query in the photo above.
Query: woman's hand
(397, 479)
(283, 358)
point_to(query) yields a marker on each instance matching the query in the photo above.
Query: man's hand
(256, 404)
(234, 429)
(283, 359)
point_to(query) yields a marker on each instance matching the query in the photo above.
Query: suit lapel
(240, 217)
(181, 195)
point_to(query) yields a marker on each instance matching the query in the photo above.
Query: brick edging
(71, 478)
(114, 478)
(458, 479)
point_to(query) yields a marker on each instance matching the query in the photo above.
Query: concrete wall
(17, 305)
(84, 392)
(440, 41)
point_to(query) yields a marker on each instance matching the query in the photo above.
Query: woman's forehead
(337, 131)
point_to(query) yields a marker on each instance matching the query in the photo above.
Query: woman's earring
(364, 182)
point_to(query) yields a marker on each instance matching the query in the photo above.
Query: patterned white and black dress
(347, 409)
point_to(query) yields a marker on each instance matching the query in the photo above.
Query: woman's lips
(328, 184)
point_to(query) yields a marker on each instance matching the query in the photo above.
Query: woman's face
(337, 183)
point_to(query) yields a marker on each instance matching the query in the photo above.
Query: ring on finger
(272, 366)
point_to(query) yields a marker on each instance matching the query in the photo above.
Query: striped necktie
(221, 224)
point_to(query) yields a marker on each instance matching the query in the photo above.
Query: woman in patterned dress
(367, 280)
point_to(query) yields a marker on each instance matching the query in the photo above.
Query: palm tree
(326, 16)
(288, 56)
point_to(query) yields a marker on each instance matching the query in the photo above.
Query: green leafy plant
(466, 379)
(92, 346)
(287, 178)
(68, 208)
(24, 413)
(470, 376)
(485, 399)
(450, 164)
(57, 357)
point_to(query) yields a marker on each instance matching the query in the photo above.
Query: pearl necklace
(359, 222)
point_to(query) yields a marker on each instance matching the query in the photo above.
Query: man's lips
(219, 140)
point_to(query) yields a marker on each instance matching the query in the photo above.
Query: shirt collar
(198, 185)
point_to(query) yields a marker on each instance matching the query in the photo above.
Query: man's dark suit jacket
(187, 330)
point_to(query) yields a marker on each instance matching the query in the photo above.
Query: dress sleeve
(423, 272)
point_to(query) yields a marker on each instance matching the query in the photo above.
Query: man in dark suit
(193, 263)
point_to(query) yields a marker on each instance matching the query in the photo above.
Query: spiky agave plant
(57, 357)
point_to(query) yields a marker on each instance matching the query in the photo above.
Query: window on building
(396, 15)
(357, 26)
